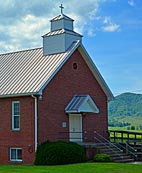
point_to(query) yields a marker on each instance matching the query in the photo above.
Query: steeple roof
(61, 16)
(61, 31)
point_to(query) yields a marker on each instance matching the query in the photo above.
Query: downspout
(35, 108)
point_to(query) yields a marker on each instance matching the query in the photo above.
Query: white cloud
(24, 33)
(109, 25)
(91, 32)
(107, 20)
(23, 23)
(28, 26)
(111, 28)
(131, 2)
(4, 46)
(83, 13)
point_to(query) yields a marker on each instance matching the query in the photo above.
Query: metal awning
(81, 104)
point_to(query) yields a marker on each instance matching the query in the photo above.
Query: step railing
(103, 141)
(128, 149)
(96, 138)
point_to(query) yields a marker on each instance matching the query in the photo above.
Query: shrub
(56, 153)
(102, 158)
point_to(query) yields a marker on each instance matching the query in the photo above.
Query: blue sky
(111, 29)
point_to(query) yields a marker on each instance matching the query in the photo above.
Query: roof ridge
(18, 51)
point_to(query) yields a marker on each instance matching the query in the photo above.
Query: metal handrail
(129, 149)
(127, 146)
(107, 141)
(111, 144)
(101, 139)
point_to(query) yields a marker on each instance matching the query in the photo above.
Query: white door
(75, 127)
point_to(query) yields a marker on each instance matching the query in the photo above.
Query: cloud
(111, 28)
(109, 25)
(91, 32)
(23, 33)
(131, 2)
(23, 22)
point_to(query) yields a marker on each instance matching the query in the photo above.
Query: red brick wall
(56, 96)
(17, 139)
(59, 92)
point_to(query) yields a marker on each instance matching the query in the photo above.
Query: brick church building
(50, 93)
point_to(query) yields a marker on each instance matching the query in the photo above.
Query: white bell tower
(61, 36)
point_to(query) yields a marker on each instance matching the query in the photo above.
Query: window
(75, 66)
(15, 154)
(16, 115)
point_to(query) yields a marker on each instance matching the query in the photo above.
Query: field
(123, 128)
(76, 168)
(135, 121)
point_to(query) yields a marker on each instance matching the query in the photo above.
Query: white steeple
(61, 36)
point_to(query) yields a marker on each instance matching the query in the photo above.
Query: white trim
(19, 94)
(36, 130)
(95, 72)
(13, 115)
(77, 43)
(88, 102)
(15, 160)
(85, 105)
(91, 66)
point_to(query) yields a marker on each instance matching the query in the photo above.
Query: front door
(75, 127)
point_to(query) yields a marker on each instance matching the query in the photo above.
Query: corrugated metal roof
(81, 103)
(75, 103)
(28, 71)
(61, 31)
(61, 16)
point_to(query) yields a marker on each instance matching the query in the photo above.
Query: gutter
(19, 94)
(35, 99)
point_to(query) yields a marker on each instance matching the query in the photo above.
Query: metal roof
(61, 16)
(61, 31)
(27, 72)
(81, 103)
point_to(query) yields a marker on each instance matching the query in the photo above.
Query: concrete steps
(115, 153)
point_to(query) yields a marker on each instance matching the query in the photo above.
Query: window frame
(16, 159)
(13, 116)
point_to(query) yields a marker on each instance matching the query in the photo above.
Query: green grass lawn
(76, 168)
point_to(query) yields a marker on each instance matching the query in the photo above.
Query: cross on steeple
(61, 6)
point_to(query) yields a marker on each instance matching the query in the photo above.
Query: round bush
(102, 158)
(56, 153)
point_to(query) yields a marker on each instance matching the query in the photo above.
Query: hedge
(60, 152)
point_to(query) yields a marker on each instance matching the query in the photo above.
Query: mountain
(125, 112)
(126, 104)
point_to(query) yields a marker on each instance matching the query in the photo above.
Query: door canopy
(81, 104)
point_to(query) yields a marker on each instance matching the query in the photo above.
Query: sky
(111, 29)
